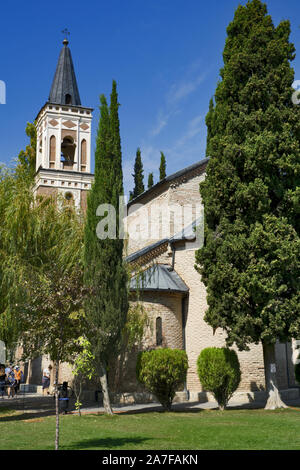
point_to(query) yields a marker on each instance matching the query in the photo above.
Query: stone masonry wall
(151, 222)
(199, 334)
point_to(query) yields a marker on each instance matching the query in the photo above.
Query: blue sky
(164, 54)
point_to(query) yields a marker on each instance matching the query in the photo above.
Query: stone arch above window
(52, 151)
(83, 155)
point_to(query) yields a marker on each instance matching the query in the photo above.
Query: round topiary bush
(219, 373)
(162, 371)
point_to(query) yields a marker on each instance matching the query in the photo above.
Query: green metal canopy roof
(159, 277)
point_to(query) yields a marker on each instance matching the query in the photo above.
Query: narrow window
(83, 155)
(158, 331)
(52, 152)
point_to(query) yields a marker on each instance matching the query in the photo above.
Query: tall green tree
(15, 200)
(41, 283)
(150, 180)
(209, 124)
(138, 176)
(104, 270)
(162, 167)
(27, 158)
(250, 260)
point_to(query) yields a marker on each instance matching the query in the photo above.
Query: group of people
(10, 379)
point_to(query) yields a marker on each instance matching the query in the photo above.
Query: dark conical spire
(64, 88)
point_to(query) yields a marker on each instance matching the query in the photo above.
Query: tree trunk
(29, 372)
(56, 408)
(274, 400)
(104, 386)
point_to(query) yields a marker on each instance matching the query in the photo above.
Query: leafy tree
(219, 372)
(250, 260)
(150, 180)
(41, 280)
(138, 176)
(162, 167)
(83, 368)
(8, 324)
(27, 158)
(14, 182)
(135, 327)
(104, 270)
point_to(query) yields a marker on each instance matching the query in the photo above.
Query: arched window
(158, 331)
(52, 152)
(83, 155)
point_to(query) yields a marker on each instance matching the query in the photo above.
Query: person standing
(2, 380)
(18, 378)
(46, 380)
(11, 381)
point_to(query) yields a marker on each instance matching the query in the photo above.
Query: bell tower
(63, 158)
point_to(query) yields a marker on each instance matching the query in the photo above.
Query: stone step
(30, 388)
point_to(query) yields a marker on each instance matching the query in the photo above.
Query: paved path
(36, 404)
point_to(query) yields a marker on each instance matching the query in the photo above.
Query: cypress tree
(250, 259)
(138, 175)
(209, 125)
(104, 271)
(150, 180)
(162, 168)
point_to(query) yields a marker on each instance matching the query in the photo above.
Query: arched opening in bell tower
(68, 152)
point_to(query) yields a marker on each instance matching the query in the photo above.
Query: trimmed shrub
(162, 371)
(219, 373)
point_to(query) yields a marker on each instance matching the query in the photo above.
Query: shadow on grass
(105, 443)
(162, 412)
(25, 416)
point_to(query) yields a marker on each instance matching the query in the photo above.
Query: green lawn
(203, 429)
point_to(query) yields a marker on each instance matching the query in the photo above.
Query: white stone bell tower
(63, 159)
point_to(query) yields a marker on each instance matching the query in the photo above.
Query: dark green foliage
(209, 124)
(162, 167)
(162, 371)
(138, 175)
(104, 270)
(150, 180)
(219, 373)
(251, 258)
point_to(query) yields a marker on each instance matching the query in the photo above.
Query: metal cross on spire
(66, 33)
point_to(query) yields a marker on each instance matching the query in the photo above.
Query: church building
(171, 292)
